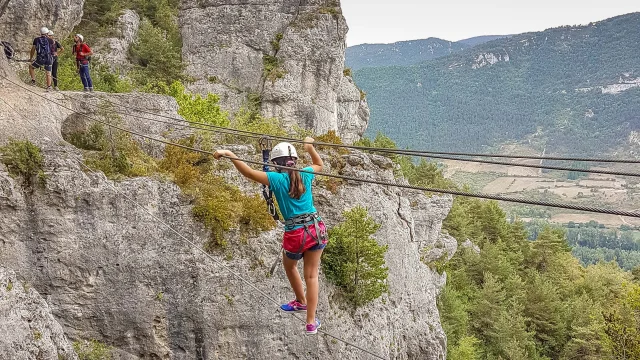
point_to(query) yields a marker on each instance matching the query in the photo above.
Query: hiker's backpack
(8, 50)
(77, 48)
(44, 51)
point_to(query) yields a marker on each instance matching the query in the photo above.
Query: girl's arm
(315, 157)
(244, 169)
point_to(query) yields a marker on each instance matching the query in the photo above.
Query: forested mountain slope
(572, 89)
(400, 53)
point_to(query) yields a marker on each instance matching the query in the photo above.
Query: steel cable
(201, 250)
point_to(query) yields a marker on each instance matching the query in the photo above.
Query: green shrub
(93, 139)
(275, 43)
(92, 350)
(354, 261)
(254, 216)
(347, 72)
(156, 57)
(24, 160)
(194, 107)
(218, 205)
(250, 121)
(364, 142)
(273, 68)
(112, 151)
(424, 173)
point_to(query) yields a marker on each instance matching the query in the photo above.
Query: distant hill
(400, 53)
(573, 90)
(475, 41)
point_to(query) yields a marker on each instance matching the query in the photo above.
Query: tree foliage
(551, 86)
(354, 261)
(531, 299)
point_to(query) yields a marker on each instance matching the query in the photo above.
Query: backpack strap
(8, 50)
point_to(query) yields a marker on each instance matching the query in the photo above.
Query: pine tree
(354, 261)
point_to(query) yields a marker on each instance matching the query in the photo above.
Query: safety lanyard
(265, 144)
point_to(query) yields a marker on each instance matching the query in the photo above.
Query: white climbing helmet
(283, 149)
(50, 33)
(44, 30)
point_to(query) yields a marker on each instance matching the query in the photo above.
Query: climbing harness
(265, 145)
(306, 220)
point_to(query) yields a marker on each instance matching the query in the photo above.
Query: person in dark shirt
(41, 56)
(57, 49)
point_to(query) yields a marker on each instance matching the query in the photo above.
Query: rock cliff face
(286, 55)
(115, 50)
(21, 20)
(112, 273)
(28, 329)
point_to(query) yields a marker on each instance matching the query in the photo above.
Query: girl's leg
(311, 265)
(291, 268)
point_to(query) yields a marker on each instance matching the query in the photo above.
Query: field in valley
(613, 192)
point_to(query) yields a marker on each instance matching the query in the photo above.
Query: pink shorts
(292, 241)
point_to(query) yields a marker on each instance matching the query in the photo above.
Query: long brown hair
(296, 186)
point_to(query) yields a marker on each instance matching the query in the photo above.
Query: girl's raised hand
(220, 153)
(307, 145)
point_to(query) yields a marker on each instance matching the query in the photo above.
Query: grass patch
(93, 350)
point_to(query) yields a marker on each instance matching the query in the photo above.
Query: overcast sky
(387, 21)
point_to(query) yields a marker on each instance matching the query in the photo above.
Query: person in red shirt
(83, 52)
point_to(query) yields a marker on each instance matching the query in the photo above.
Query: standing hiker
(57, 49)
(305, 234)
(41, 56)
(83, 53)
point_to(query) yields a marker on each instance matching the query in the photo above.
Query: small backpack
(77, 48)
(8, 50)
(44, 51)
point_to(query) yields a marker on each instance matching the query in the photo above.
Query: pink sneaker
(293, 306)
(313, 328)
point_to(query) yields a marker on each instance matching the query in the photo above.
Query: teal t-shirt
(289, 207)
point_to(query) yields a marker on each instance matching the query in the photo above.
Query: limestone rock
(114, 273)
(115, 52)
(28, 329)
(353, 111)
(287, 53)
(21, 20)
